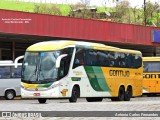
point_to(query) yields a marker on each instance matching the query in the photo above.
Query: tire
(121, 95)
(128, 94)
(9, 95)
(94, 99)
(75, 94)
(42, 100)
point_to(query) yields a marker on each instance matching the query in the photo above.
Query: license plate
(36, 94)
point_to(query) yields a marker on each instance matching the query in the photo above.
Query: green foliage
(122, 13)
(14, 5)
(30, 6)
(47, 9)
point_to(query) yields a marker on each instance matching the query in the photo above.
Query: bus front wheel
(75, 94)
(42, 100)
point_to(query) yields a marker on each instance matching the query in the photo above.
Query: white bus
(10, 78)
(72, 69)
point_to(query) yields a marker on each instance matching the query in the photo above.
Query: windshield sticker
(42, 54)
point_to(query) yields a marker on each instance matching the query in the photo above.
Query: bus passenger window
(16, 72)
(138, 61)
(101, 58)
(79, 58)
(111, 58)
(122, 60)
(77, 62)
(4, 72)
(91, 57)
(128, 60)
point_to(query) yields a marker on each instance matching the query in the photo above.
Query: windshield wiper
(34, 74)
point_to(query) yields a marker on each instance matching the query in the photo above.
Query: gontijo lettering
(119, 73)
(151, 76)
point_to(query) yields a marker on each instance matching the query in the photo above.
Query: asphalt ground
(61, 109)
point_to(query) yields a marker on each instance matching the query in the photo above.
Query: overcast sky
(133, 3)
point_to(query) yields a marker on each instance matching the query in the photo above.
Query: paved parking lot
(136, 104)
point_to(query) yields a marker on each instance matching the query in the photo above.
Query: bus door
(63, 73)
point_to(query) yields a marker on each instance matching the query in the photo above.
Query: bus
(73, 69)
(10, 78)
(151, 75)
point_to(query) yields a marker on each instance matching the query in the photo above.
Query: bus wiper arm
(34, 73)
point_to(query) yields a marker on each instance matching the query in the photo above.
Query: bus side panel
(13, 83)
(146, 86)
(116, 77)
(137, 81)
(151, 83)
(158, 86)
(92, 81)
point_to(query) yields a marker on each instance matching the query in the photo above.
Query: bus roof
(60, 44)
(11, 64)
(6, 62)
(151, 58)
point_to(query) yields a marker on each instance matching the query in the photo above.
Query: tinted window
(101, 58)
(138, 61)
(4, 72)
(79, 57)
(151, 66)
(16, 72)
(92, 57)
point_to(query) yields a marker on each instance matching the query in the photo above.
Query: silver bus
(10, 78)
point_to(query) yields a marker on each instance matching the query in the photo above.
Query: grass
(29, 6)
(19, 6)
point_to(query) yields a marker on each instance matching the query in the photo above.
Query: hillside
(29, 6)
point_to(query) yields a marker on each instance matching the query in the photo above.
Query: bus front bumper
(50, 93)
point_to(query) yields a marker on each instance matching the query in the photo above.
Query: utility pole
(145, 19)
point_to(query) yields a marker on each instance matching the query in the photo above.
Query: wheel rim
(10, 96)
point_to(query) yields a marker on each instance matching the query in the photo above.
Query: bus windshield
(39, 67)
(151, 66)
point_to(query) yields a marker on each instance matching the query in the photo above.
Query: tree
(136, 17)
(47, 9)
(151, 13)
(81, 9)
(157, 14)
(122, 12)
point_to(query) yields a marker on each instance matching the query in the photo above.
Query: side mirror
(16, 61)
(58, 61)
